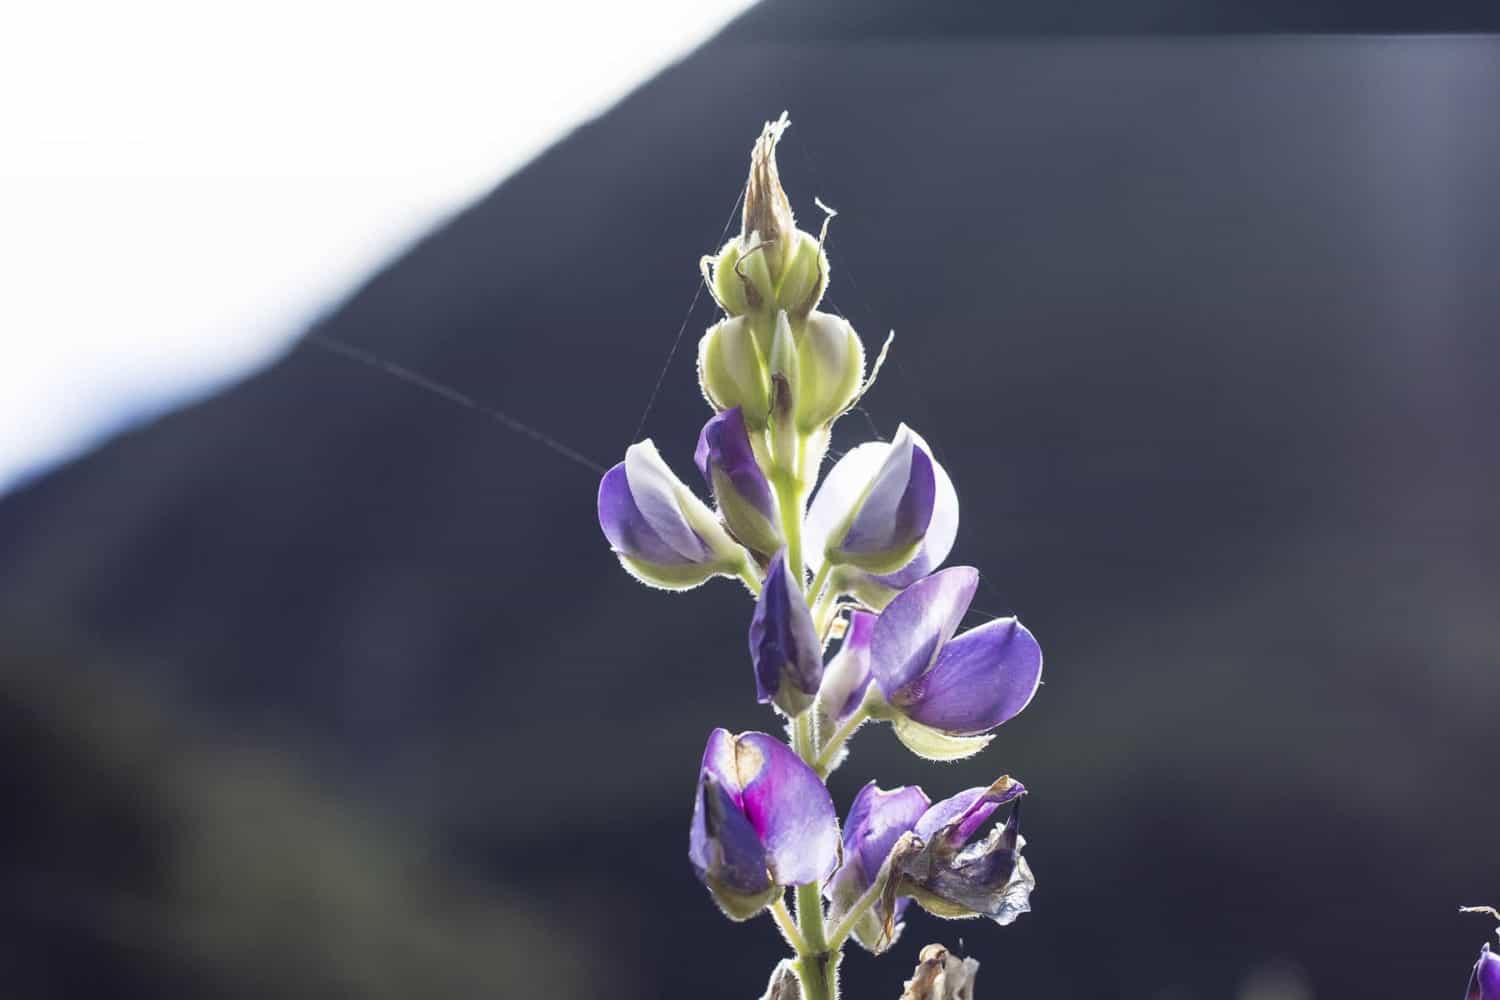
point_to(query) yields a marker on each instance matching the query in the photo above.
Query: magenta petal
(723, 845)
(916, 624)
(789, 807)
(981, 679)
(966, 812)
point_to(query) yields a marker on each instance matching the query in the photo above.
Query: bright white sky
(184, 184)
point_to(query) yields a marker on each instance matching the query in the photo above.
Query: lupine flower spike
(778, 373)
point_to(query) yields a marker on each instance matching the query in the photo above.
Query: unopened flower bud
(664, 535)
(831, 369)
(762, 820)
(732, 370)
(772, 264)
(726, 457)
(784, 646)
(874, 508)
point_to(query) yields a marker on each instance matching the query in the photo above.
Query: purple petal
(723, 845)
(1484, 983)
(953, 878)
(789, 807)
(784, 644)
(848, 673)
(839, 491)
(627, 529)
(942, 531)
(917, 623)
(724, 444)
(898, 506)
(967, 811)
(876, 820)
(658, 496)
(981, 679)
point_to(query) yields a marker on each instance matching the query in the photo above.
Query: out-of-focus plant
(859, 566)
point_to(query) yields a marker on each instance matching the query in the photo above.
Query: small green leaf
(932, 744)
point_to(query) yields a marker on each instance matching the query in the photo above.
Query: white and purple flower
(663, 534)
(886, 513)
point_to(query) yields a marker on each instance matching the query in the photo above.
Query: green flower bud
(732, 370)
(772, 265)
(830, 371)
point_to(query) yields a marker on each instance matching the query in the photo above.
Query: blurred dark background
(328, 687)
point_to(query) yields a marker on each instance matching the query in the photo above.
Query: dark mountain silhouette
(1204, 330)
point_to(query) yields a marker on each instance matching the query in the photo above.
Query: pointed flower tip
(767, 210)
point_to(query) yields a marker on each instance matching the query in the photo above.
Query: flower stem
(839, 738)
(845, 926)
(787, 924)
(751, 580)
(788, 497)
(816, 967)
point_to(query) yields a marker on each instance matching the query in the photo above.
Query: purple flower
(762, 820)
(875, 508)
(847, 676)
(877, 819)
(727, 460)
(663, 534)
(950, 874)
(784, 645)
(1484, 983)
(960, 685)
(842, 488)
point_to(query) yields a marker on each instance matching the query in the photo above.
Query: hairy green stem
(839, 737)
(787, 924)
(816, 967)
